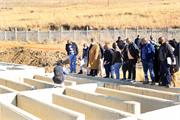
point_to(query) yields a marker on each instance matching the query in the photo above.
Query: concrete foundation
(27, 93)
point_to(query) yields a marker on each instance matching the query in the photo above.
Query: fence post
(113, 34)
(151, 32)
(5, 35)
(38, 36)
(61, 30)
(73, 35)
(26, 35)
(49, 35)
(167, 33)
(126, 32)
(99, 35)
(87, 32)
(137, 31)
(15, 33)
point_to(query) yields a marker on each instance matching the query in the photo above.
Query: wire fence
(77, 35)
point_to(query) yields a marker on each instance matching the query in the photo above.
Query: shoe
(80, 72)
(152, 83)
(146, 82)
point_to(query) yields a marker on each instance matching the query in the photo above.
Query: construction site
(28, 93)
(33, 37)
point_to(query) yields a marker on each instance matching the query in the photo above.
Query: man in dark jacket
(165, 51)
(108, 55)
(137, 41)
(133, 56)
(72, 51)
(147, 58)
(125, 61)
(156, 62)
(177, 54)
(120, 43)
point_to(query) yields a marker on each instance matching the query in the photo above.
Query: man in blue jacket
(147, 58)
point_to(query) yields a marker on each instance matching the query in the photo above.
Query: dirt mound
(39, 58)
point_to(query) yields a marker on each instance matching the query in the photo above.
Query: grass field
(96, 13)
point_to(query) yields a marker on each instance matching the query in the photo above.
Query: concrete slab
(38, 84)
(16, 72)
(131, 107)
(15, 85)
(48, 79)
(46, 111)
(92, 111)
(9, 111)
(4, 89)
(119, 82)
(146, 91)
(169, 113)
(147, 103)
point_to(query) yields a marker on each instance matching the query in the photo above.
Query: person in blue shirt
(147, 58)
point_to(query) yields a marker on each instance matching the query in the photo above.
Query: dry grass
(96, 13)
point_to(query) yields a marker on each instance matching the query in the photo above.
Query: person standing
(116, 61)
(125, 60)
(108, 55)
(165, 52)
(93, 58)
(156, 63)
(133, 56)
(137, 41)
(84, 58)
(147, 58)
(72, 51)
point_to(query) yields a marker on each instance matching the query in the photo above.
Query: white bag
(169, 61)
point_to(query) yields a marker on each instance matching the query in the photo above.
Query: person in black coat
(133, 56)
(108, 56)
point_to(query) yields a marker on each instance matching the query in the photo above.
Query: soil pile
(28, 56)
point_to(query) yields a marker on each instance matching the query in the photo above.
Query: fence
(100, 35)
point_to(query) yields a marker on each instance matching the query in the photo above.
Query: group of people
(160, 58)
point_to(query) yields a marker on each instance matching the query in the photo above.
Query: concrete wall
(15, 85)
(48, 79)
(146, 91)
(46, 111)
(147, 103)
(4, 89)
(92, 111)
(131, 107)
(38, 84)
(10, 112)
(170, 113)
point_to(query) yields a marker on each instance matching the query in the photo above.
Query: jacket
(85, 52)
(125, 54)
(94, 56)
(108, 56)
(165, 51)
(117, 57)
(147, 52)
(58, 74)
(72, 48)
(134, 50)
